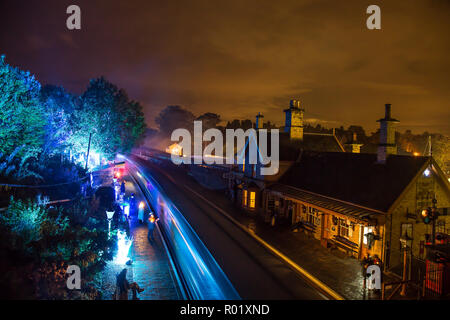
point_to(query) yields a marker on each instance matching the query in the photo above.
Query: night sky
(236, 58)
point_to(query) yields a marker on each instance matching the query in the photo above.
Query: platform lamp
(405, 241)
(109, 217)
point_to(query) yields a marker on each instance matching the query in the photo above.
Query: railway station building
(361, 203)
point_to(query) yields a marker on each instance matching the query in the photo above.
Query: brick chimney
(387, 144)
(294, 120)
(354, 146)
(259, 121)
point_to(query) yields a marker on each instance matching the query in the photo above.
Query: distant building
(353, 146)
(245, 182)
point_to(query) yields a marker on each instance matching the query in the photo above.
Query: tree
(16, 169)
(209, 120)
(115, 122)
(37, 244)
(132, 125)
(172, 118)
(246, 124)
(22, 117)
(441, 152)
(60, 106)
(235, 124)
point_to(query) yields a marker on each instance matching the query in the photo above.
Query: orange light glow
(141, 205)
(416, 154)
(175, 149)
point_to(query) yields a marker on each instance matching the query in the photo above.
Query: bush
(40, 243)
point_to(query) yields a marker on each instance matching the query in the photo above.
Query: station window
(343, 228)
(244, 198)
(312, 216)
(252, 199)
(366, 231)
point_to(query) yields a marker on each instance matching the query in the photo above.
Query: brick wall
(418, 197)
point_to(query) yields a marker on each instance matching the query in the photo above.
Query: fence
(426, 278)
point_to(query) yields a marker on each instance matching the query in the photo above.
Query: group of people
(123, 286)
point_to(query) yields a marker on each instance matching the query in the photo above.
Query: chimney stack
(387, 144)
(294, 120)
(354, 146)
(259, 121)
(387, 111)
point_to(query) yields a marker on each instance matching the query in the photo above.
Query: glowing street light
(109, 216)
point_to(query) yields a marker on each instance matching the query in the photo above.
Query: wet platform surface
(151, 267)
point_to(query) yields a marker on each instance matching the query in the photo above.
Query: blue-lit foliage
(41, 131)
(116, 123)
(61, 119)
(37, 123)
(24, 218)
(15, 168)
(22, 117)
(39, 243)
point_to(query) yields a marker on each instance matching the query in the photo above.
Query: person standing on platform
(141, 212)
(151, 224)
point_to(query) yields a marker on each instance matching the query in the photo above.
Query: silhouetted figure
(151, 227)
(132, 204)
(122, 287)
(122, 187)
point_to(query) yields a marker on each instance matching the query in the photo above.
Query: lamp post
(109, 216)
(89, 147)
(405, 241)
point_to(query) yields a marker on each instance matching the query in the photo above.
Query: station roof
(354, 178)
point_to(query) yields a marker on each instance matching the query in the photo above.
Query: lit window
(343, 228)
(366, 231)
(244, 198)
(313, 216)
(252, 199)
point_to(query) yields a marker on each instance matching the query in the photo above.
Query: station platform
(151, 268)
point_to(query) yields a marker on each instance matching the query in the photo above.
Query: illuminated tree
(22, 118)
(59, 107)
(115, 122)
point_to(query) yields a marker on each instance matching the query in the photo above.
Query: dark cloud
(240, 57)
